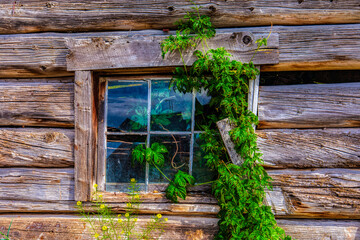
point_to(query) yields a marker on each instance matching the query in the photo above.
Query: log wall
(309, 134)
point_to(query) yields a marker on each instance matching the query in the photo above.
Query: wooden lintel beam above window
(143, 51)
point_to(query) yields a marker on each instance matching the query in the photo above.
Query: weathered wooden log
(36, 184)
(72, 227)
(327, 148)
(325, 193)
(301, 48)
(36, 147)
(61, 16)
(137, 51)
(36, 104)
(190, 228)
(309, 106)
(85, 135)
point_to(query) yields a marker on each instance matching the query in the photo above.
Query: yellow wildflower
(165, 219)
(119, 216)
(100, 196)
(159, 215)
(104, 228)
(95, 185)
(137, 196)
(119, 220)
(132, 180)
(135, 219)
(122, 232)
(102, 206)
(126, 215)
(128, 204)
(78, 203)
(96, 235)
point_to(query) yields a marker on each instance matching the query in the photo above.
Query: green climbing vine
(240, 190)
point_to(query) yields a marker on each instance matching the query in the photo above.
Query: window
(148, 111)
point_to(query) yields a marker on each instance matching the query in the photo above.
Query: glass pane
(202, 110)
(127, 106)
(170, 110)
(176, 158)
(200, 171)
(119, 168)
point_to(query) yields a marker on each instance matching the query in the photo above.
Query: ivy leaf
(138, 154)
(177, 187)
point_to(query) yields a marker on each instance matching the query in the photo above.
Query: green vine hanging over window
(240, 190)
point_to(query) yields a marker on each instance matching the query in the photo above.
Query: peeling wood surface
(36, 104)
(53, 227)
(309, 106)
(307, 148)
(29, 147)
(301, 47)
(145, 51)
(75, 15)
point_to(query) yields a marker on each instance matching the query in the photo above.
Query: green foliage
(177, 187)
(154, 155)
(104, 224)
(240, 190)
(7, 236)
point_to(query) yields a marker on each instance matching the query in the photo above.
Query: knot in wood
(246, 39)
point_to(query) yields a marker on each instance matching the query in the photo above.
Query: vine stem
(162, 173)
(199, 184)
(182, 59)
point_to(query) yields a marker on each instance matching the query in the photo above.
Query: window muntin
(144, 112)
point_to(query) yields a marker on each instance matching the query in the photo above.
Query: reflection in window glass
(127, 106)
(170, 110)
(119, 167)
(199, 170)
(176, 159)
(170, 123)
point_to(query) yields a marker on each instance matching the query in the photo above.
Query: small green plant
(7, 236)
(105, 224)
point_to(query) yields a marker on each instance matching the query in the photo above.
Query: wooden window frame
(110, 55)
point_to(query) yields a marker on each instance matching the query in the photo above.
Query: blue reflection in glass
(119, 167)
(127, 106)
(170, 110)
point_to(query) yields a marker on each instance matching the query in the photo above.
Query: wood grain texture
(301, 48)
(84, 135)
(53, 227)
(309, 106)
(317, 193)
(41, 103)
(76, 16)
(136, 51)
(34, 184)
(307, 148)
(31, 147)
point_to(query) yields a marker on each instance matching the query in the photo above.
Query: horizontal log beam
(72, 227)
(36, 147)
(36, 184)
(317, 148)
(48, 104)
(300, 47)
(73, 15)
(144, 51)
(317, 193)
(309, 106)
